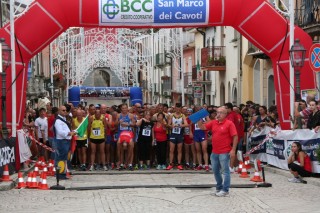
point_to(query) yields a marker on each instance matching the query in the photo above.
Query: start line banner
(276, 150)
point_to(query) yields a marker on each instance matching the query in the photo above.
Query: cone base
(257, 179)
(5, 180)
(21, 186)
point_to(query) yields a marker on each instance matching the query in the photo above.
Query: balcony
(308, 16)
(256, 52)
(213, 58)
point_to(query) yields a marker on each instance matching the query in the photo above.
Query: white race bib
(187, 131)
(96, 131)
(124, 127)
(146, 132)
(196, 127)
(176, 130)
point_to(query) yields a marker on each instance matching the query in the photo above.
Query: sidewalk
(268, 169)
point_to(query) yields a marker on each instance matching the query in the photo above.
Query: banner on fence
(276, 150)
(7, 154)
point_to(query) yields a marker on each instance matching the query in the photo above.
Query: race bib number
(124, 127)
(196, 127)
(96, 131)
(176, 130)
(187, 131)
(146, 132)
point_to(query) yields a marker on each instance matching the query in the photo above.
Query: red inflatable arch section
(257, 20)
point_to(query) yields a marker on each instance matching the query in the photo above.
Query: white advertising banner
(153, 12)
(276, 150)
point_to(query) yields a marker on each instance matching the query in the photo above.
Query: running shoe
(148, 167)
(199, 167)
(163, 167)
(130, 168)
(187, 166)
(206, 168)
(159, 167)
(141, 167)
(169, 167)
(180, 167)
(136, 167)
(295, 180)
(91, 168)
(222, 194)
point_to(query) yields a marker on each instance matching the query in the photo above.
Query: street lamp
(5, 54)
(297, 56)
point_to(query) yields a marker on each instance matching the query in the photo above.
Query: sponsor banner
(153, 12)
(7, 155)
(105, 93)
(278, 148)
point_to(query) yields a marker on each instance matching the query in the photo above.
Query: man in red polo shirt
(224, 133)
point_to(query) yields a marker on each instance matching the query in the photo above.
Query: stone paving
(281, 197)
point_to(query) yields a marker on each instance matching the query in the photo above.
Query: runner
(188, 142)
(145, 138)
(177, 121)
(82, 142)
(96, 133)
(125, 122)
(200, 139)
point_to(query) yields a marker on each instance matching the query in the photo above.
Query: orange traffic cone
(244, 173)
(34, 183)
(40, 180)
(5, 175)
(29, 179)
(44, 185)
(68, 175)
(45, 170)
(247, 162)
(36, 171)
(240, 167)
(256, 177)
(21, 183)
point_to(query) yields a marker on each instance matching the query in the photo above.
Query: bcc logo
(111, 8)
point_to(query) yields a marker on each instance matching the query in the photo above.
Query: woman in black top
(145, 139)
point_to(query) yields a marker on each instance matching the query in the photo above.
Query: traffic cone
(45, 170)
(29, 179)
(34, 183)
(50, 171)
(256, 177)
(44, 185)
(5, 175)
(244, 173)
(40, 180)
(247, 162)
(240, 167)
(68, 175)
(21, 183)
(36, 171)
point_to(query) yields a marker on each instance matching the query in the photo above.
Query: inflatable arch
(257, 20)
